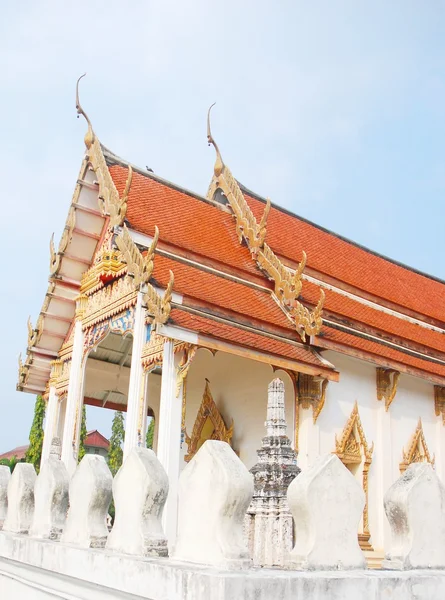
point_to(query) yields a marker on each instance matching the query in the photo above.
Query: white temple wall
(239, 389)
(414, 400)
(390, 430)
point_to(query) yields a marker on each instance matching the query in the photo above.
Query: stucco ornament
(51, 500)
(215, 489)
(415, 507)
(326, 503)
(90, 497)
(20, 499)
(140, 490)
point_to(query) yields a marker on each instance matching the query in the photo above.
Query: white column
(74, 402)
(136, 387)
(51, 421)
(169, 438)
(382, 465)
(308, 438)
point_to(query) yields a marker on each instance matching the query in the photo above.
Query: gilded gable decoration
(387, 380)
(417, 451)
(311, 392)
(352, 449)
(109, 301)
(287, 283)
(23, 373)
(209, 425)
(34, 334)
(141, 267)
(67, 234)
(110, 202)
(439, 401)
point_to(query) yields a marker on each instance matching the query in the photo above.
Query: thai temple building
(182, 307)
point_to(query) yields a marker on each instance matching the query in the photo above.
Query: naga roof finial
(89, 136)
(219, 163)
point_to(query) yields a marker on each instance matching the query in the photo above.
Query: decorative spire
(276, 418)
(219, 163)
(89, 136)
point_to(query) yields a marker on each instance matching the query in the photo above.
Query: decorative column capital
(387, 380)
(312, 392)
(56, 371)
(81, 306)
(183, 368)
(439, 401)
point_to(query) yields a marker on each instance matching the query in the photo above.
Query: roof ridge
(339, 236)
(113, 159)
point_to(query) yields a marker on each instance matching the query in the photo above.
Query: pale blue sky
(336, 110)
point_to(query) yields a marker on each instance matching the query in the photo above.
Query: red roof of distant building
(96, 439)
(18, 452)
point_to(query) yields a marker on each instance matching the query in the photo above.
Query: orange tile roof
(380, 350)
(221, 293)
(289, 235)
(244, 338)
(183, 220)
(356, 311)
(195, 226)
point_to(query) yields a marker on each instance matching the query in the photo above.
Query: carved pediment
(417, 451)
(352, 444)
(209, 425)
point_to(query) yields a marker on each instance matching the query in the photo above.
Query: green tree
(115, 453)
(150, 434)
(83, 434)
(34, 452)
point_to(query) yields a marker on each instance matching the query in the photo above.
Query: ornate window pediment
(417, 451)
(209, 425)
(352, 449)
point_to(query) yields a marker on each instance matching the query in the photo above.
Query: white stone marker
(415, 507)
(5, 476)
(215, 489)
(51, 500)
(326, 503)
(90, 497)
(20, 499)
(140, 490)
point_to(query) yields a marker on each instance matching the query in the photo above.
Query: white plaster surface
(326, 503)
(41, 570)
(5, 476)
(215, 490)
(415, 507)
(239, 389)
(140, 489)
(90, 496)
(20, 499)
(51, 499)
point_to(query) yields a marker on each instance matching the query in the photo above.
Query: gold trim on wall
(208, 412)
(417, 450)
(352, 449)
(387, 380)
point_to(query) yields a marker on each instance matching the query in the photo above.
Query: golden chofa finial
(89, 136)
(219, 164)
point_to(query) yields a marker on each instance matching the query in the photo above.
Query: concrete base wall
(41, 570)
